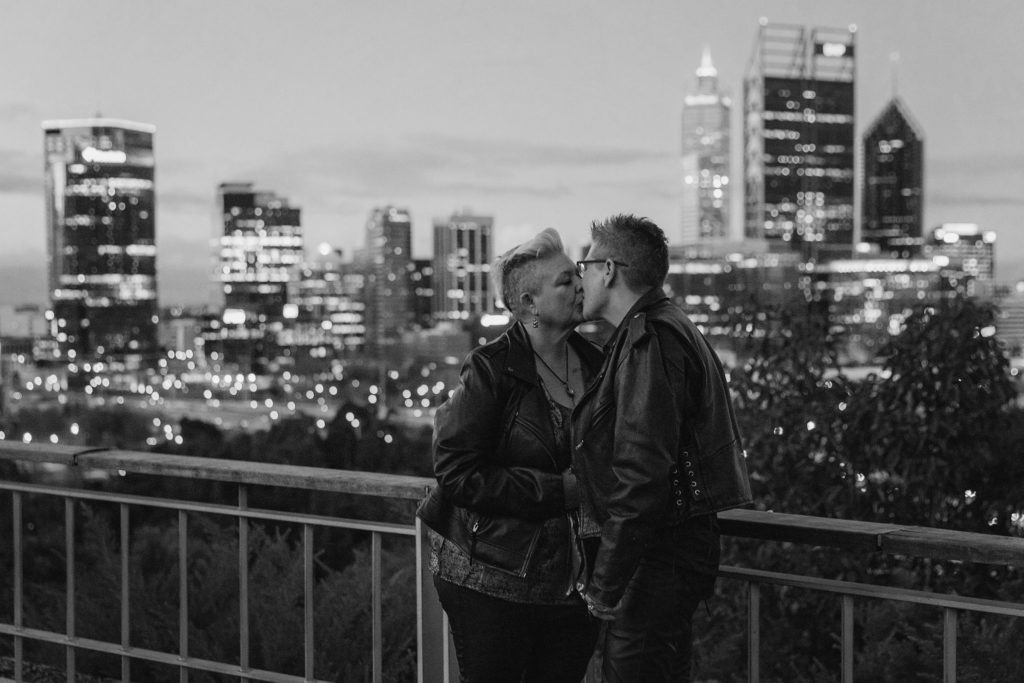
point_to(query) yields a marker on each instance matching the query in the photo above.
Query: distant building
(388, 254)
(258, 254)
(445, 342)
(24, 332)
(870, 298)
(967, 253)
(101, 237)
(23, 320)
(1010, 324)
(705, 159)
(462, 266)
(799, 140)
(720, 284)
(421, 284)
(260, 247)
(325, 313)
(180, 330)
(893, 183)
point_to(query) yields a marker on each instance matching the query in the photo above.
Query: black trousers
(499, 641)
(652, 639)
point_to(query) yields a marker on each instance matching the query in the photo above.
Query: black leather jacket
(655, 438)
(494, 454)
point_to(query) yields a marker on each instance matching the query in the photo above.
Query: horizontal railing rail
(433, 656)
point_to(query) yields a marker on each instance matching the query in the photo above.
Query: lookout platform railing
(434, 659)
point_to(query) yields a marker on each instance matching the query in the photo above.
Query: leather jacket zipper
(472, 540)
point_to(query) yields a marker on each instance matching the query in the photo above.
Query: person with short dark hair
(657, 452)
(502, 514)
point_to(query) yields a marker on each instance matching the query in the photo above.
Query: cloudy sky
(537, 112)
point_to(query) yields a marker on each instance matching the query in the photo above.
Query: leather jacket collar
(646, 300)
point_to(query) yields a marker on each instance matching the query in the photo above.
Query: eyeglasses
(581, 266)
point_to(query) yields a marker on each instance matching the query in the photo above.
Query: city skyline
(535, 114)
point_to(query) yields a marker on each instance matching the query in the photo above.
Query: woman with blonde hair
(503, 552)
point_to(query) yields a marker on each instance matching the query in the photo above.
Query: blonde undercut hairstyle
(515, 271)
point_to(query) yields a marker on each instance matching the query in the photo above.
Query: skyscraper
(101, 246)
(389, 306)
(967, 254)
(893, 183)
(259, 251)
(705, 158)
(325, 311)
(799, 140)
(421, 283)
(462, 266)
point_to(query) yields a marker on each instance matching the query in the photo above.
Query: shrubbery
(934, 439)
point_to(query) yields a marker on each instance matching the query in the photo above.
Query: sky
(539, 113)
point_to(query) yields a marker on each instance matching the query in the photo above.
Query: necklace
(563, 382)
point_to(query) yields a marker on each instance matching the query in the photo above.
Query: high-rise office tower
(462, 266)
(259, 250)
(967, 254)
(101, 237)
(389, 306)
(421, 283)
(705, 158)
(893, 182)
(325, 311)
(799, 140)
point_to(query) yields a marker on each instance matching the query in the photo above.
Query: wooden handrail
(867, 537)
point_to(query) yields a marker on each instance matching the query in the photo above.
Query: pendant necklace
(563, 382)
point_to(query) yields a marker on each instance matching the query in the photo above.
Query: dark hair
(636, 241)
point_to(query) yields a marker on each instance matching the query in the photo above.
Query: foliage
(933, 439)
(791, 401)
(924, 434)
(342, 606)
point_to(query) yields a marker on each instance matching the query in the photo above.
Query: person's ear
(610, 273)
(526, 301)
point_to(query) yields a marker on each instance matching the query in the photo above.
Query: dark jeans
(652, 639)
(498, 641)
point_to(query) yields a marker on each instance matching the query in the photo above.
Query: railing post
(307, 589)
(69, 549)
(847, 639)
(126, 671)
(431, 637)
(949, 627)
(183, 595)
(754, 632)
(19, 644)
(243, 582)
(376, 616)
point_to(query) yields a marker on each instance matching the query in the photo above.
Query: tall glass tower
(260, 250)
(389, 305)
(258, 254)
(101, 246)
(705, 159)
(893, 183)
(462, 266)
(799, 140)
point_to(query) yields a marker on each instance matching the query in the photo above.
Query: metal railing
(865, 538)
(431, 625)
(434, 661)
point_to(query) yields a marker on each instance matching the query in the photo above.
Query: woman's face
(558, 295)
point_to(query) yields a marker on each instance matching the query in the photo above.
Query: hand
(601, 611)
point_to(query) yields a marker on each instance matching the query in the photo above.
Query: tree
(924, 435)
(791, 401)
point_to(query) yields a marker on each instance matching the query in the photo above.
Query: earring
(535, 323)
